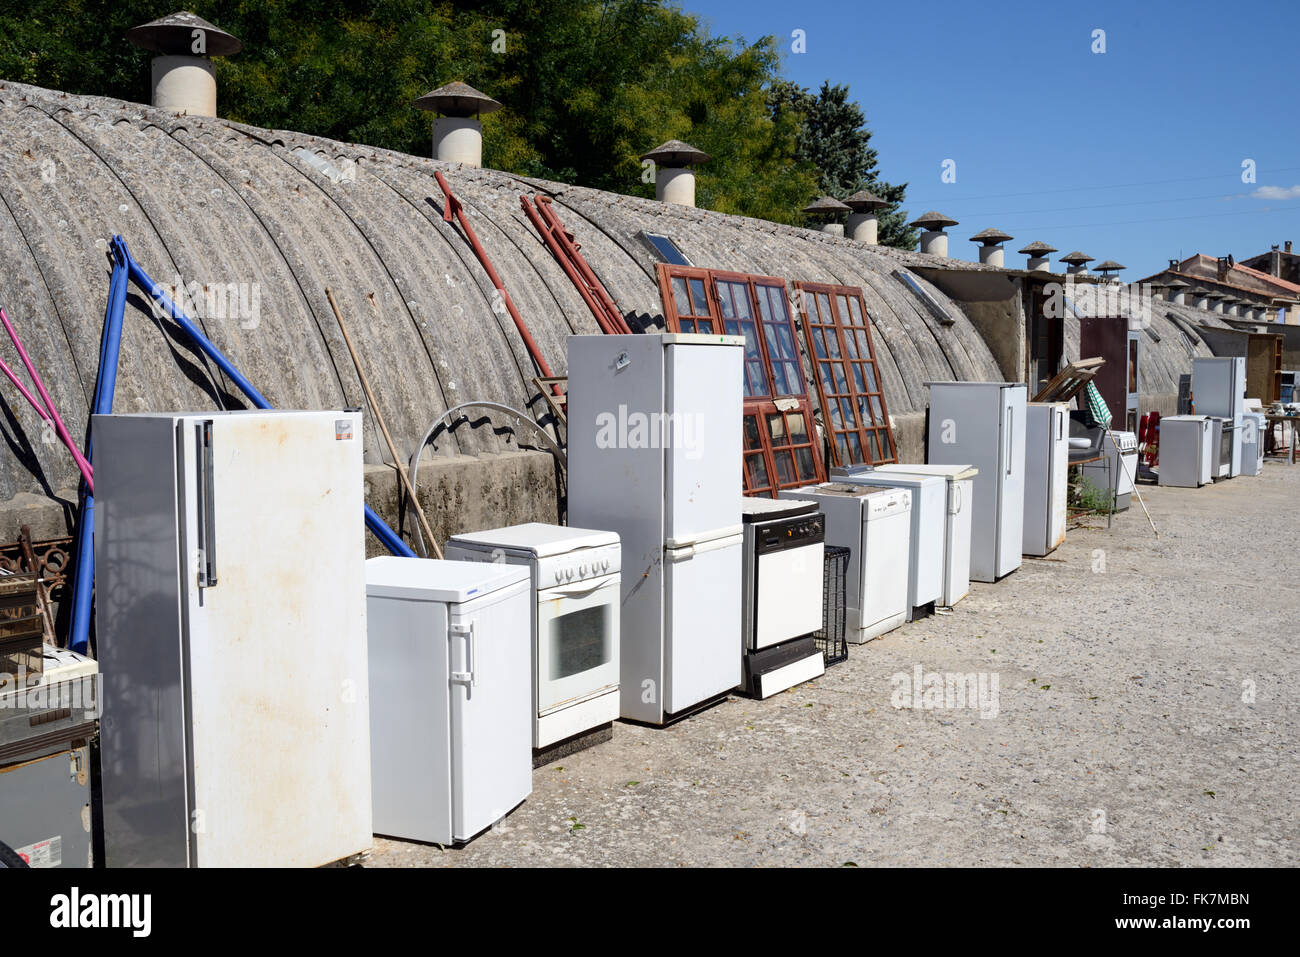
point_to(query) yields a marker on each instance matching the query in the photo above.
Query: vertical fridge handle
(1010, 416)
(466, 677)
(207, 521)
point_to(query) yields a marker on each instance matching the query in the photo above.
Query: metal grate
(832, 639)
(22, 628)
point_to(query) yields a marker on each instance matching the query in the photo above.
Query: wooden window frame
(842, 438)
(778, 451)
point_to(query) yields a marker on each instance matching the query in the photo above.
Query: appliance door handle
(207, 521)
(470, 635)
(686, 552)
(956, 491)
(1007, 444)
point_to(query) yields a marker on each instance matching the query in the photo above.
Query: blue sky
(1134, 154)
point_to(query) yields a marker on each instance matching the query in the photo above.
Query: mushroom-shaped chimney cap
(457, 99)
(174, 34)
(1038, 248)
(675, 153)
(1178, 284)
(1214, 294)
(825, 206)
(990, 237)
(1109, 265)
(864, 201)
(1076, 257)
(933, 221)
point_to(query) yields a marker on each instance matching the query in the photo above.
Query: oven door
(577, 641)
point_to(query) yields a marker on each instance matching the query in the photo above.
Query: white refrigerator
(451, 695)
(231, 621)
(1047, 475)
(957, 519)
(982, 424)
(1188, 454)
(654, 426)
(929, 517)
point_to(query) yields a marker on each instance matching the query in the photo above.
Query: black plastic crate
(831, 639)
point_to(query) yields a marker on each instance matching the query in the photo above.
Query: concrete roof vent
(1038, 253)
(184, 80)
(991, 241)
(457, 132)
(828, 210)
(934, 240)
(674, 180)
(1076, 263)
(863, 224)
(1288, 245)
(1109, 268)
(1178, 291)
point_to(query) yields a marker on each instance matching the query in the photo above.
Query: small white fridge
(654, 428)
(230, 607)
(1188, 453)
(929, 507)
(875, 525)
(982, 424)
(1047, 467)
(1254, 428)
(960, 480)
(451, 695)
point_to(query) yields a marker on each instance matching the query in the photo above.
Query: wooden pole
(379, 420)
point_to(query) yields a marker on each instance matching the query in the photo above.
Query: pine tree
(835, 139)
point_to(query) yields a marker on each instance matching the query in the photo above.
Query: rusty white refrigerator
(231, 618)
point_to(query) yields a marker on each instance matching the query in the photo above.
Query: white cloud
(1277, 192)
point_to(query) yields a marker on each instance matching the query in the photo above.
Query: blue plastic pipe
(386, 535)
(105, 386)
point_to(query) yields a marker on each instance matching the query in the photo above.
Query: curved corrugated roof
(218, 202)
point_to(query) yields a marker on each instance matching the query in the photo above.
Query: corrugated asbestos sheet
(282, 215)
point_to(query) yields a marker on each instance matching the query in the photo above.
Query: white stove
(576, 582)
(782, 598)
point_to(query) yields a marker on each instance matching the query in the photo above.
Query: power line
(1077, 189)
(1164, 219)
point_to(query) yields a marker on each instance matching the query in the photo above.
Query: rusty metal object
(455, 210)
(48, 561)
(22, 630)
(567, 252)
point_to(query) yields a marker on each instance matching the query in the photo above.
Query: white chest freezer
(875, 525)
(960, 480)
(1047, 455)
(929, 504)
(451, 698)
(1188, 454)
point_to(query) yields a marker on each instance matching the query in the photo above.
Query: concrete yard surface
(1145, 715)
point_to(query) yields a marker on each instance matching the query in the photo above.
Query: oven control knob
(604, 564)
(559, 574)
(568, 574)
(582, 570)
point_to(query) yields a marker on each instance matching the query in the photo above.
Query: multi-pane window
(838, 333)
(779, 441)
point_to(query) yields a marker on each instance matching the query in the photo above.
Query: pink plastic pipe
(86, 471)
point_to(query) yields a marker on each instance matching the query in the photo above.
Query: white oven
(576, 586)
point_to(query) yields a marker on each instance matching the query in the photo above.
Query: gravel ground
(1144, 717)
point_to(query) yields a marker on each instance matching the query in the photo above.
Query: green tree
(834, 138)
